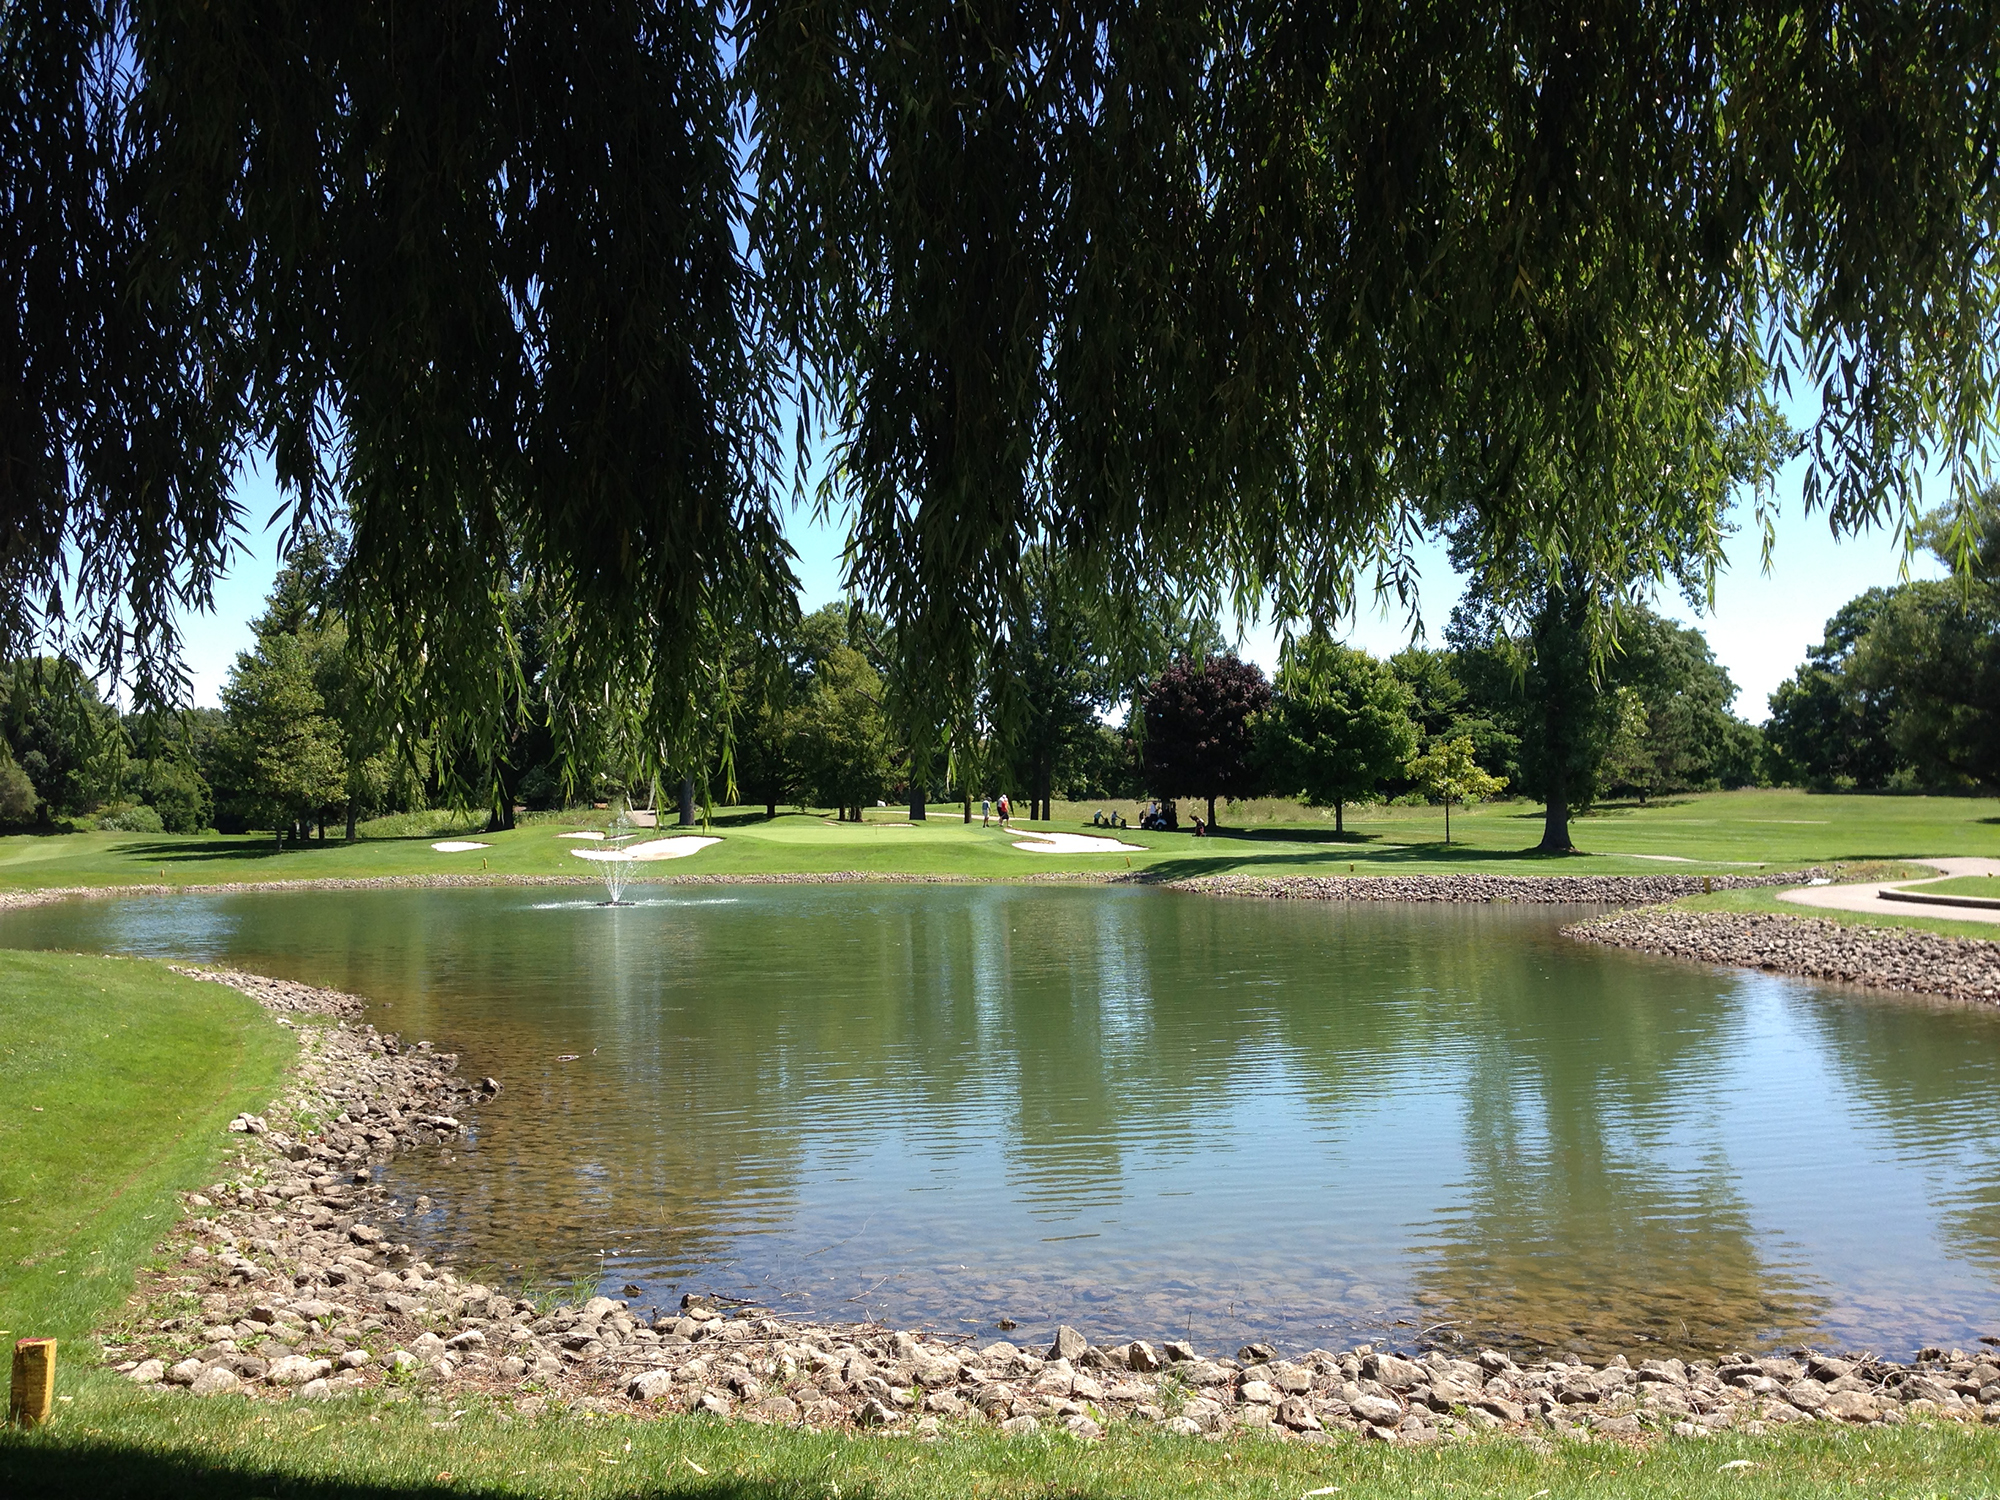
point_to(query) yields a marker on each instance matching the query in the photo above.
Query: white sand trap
(458, 846)
(1076, 843)
(679, 848)
(586, 834)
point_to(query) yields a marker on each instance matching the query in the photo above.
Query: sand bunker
(457, 846)
(678, 848)
(587, 834)
(1075, 843)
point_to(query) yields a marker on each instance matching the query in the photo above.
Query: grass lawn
(110, 1442)
(118, 1079)
(1964, 885)
(1715, 833)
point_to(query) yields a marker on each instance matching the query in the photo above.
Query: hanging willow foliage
(1233, 297)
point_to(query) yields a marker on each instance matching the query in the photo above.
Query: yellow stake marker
(34, 1390)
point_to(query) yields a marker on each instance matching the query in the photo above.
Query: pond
(1159, 1115)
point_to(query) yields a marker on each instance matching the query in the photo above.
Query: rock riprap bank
(1540, 890)
(1904, 958)
(291, 1282)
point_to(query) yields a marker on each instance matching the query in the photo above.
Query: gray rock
(1377, 1411)
(214, 1380)
(1141, 1358)
(874, 1414)
(183, 1373)
(1852, 1406)
(650, 1385)
(1180, 1351)
(1069, 1344)
(401, 1359)
(714, 1403)
(1396, 1374)
(1020, 1426)
(1298, 1415)
(1081, 1426)
(1806, 1395)
(147, 1371)
(1182, 1426)
(1259, 1393)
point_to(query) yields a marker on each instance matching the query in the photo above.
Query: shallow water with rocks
(1156, 1115)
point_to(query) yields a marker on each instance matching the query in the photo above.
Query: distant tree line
(314, 731)
(1903, 690)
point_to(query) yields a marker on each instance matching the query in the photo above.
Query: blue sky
(1759, 629)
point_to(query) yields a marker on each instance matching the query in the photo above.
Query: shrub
(18, 799)
(136, 818)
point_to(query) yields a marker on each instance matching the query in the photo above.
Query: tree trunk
(771, 808)
(1447, 820)
(352, 820)
(1339, 817)
(1173, 811)
(968, 806)
(687, 802)
(1211, 815)
(919, 813)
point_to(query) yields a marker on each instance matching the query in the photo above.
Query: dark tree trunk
(1211, 815)
(968, 806)
(687, 802)
(1339, 817)
(352, 820)
(771, 808)
(919, 813)
(1173, 810)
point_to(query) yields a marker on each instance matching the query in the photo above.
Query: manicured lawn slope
(116, 1443)
(1965, 885)
(117, 1080)
(1717, 833)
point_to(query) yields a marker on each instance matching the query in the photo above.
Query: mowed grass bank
(117, 1082)
(110, 1442)
(1728, 832)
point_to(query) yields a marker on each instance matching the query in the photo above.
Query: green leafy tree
(1628, 754)
(1933, 656)
(1448, 772)
(1050, 680)
(62, 734)
(1827, 727)
(1339, 725)
(1235, 293)
(288, 752)
(841, 735)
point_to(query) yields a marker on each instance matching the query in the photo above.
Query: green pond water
(1159, 1115)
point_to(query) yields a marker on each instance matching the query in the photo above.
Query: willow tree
(469, 274)
(1243, 295)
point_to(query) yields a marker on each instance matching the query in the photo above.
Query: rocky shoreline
(1899, 958)
(289, 1283)
(1544, 890)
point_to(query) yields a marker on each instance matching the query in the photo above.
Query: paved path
(1867, 895)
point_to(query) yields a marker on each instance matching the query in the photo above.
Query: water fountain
(616, 861)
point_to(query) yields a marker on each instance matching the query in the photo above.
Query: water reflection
(1162, 1115)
